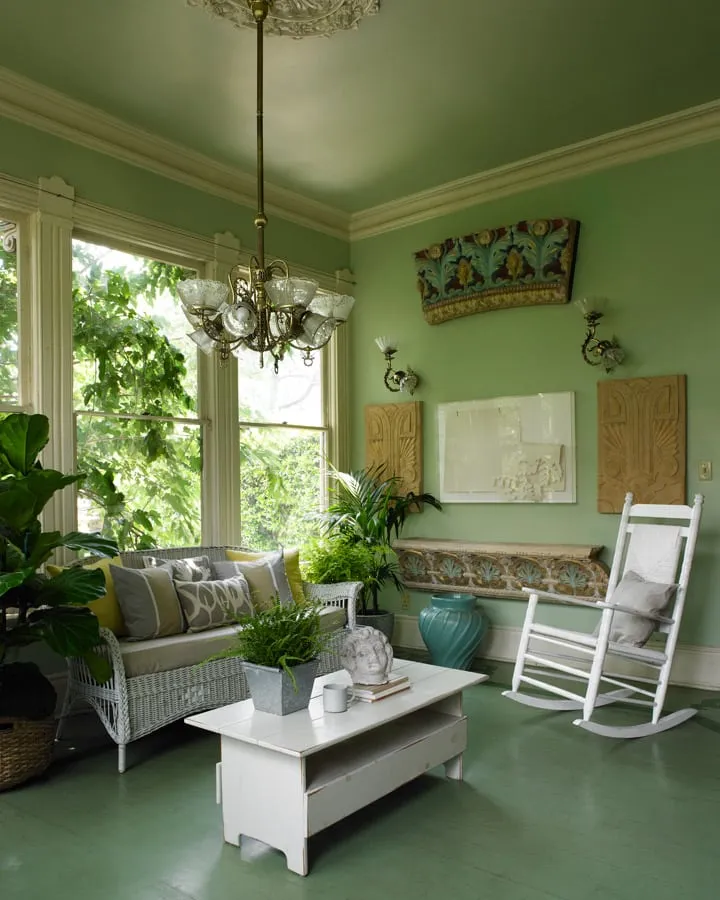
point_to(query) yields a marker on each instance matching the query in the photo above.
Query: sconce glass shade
(196, 292)
(589, 305)
(317, 330)
(291, 291)
(332, 306)
(240, 320)
(386, 345)
(203, 340)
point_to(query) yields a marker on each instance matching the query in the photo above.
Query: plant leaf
(22, 437)
(9, 580)
(99, 666)
(68, 630)
(94, 542)
(74, 586)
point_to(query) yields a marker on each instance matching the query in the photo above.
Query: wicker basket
(26, 749)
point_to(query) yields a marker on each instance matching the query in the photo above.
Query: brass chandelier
(268, 312)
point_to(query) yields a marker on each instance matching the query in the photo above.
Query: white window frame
(48, 218)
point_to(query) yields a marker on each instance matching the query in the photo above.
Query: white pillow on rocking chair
(645, 596)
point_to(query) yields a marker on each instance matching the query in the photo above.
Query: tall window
(138, 436)
(9, 360)
(283, 436)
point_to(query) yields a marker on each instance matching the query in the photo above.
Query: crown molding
(686, 128)
(38, 106)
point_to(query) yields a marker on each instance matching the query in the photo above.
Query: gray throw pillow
(195, 568)
(267, 579)
(210, 604)
(148, 601)
(645, 596)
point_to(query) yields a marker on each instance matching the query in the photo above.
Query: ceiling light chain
(272, 311)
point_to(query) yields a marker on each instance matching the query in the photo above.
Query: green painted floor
(546, 811)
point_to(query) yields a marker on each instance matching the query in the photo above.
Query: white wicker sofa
(156, 682)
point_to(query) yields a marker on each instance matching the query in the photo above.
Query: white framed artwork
(508, 449)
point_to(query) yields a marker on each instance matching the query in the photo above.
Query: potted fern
(35, 608)
(367, 510)
(279, 648)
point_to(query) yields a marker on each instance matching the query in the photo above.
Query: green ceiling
(425, 92)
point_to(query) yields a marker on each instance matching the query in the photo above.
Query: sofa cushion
(195, 568)
(267, 579)
(209, 604)
(148, 601)
(176, 651)
(106, 608)
(332, 618)
(292, 567)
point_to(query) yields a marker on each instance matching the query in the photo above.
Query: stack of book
(369, 693)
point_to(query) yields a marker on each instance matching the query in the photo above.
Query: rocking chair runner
(648, 555)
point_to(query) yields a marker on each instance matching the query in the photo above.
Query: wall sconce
(607, 353)
(398, 380)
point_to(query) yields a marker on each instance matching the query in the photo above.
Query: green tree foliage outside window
(8, 327)
(143, 479)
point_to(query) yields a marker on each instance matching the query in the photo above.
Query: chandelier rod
(260, 11)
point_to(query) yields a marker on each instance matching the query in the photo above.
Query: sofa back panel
(133, 559)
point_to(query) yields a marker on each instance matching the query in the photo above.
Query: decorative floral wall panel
(527, 264)
(641, 441)
(502, 570)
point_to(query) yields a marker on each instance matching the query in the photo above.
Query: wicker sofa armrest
(343, 595)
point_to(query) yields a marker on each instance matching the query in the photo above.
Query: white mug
(336, 697)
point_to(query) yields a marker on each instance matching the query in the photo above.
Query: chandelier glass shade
(265, 310)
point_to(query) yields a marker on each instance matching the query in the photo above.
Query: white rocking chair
(654, 548)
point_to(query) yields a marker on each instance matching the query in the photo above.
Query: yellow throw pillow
(106, 608)
(292, 567)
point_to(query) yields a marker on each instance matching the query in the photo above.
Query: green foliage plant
(368, 509)
(280, 637)
(35, 608)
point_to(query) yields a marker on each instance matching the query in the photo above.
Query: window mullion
(218, 403)
(51, 320)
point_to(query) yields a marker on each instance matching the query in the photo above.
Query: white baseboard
(694, 666)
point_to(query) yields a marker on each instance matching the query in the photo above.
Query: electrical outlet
(405, 600)
(705, 470)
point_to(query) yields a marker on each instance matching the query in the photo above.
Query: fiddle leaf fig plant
(35, 608)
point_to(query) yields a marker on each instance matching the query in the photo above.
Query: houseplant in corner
(367, 510)
(279, 647)
(33, 607)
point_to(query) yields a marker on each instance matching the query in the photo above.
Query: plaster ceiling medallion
(296, 18)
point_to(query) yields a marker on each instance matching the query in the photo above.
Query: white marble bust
(367, 656)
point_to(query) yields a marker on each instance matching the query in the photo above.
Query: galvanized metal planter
(272, 690)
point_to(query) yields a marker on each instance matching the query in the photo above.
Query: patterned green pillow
(266, 578)
(195, 568)
(211, 604)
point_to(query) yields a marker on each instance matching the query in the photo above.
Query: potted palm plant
(35, 608)
(367, 510)
(279, 648)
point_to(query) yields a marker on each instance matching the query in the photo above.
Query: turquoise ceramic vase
(452, 628)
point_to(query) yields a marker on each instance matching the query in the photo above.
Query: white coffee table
(282, 779)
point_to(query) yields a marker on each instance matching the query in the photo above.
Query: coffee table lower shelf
(282, 799)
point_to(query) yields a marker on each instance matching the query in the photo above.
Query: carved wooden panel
(641, 441)
(393, 442)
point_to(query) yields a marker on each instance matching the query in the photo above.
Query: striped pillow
(148, 601)
(210, 604)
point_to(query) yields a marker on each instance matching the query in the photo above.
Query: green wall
(27, 153)
(648, 244)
